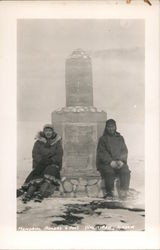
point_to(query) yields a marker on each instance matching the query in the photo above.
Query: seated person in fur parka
(47, 162)
(111, 159)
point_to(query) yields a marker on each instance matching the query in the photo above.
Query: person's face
(48, 132)
(111, 128)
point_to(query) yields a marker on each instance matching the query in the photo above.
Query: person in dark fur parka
(47, 162)
(111, 159)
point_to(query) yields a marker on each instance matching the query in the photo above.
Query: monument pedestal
(80, 128)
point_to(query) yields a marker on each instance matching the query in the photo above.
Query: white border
(9, 237)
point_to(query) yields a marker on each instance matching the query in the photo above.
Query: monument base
(80, 128)
(82, 186)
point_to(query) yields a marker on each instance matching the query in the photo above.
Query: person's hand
(114, 164)
(120, 164)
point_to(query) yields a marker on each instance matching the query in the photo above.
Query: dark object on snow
(20, 192)
(69, 219)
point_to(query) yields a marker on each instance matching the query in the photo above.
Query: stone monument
(79, 123)
(79, 87)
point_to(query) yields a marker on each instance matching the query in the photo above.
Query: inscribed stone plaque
(80, 141)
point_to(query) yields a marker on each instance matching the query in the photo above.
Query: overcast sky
(117, 51)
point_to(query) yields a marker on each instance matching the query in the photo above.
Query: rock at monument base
(74, 182)
(68, 187)
(92, 182)
(93, 191)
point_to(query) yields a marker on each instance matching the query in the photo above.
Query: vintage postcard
(80, 124)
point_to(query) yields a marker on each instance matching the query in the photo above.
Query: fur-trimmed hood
(41, 137)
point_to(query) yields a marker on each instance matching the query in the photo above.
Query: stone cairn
(80, 124)
(81, 187)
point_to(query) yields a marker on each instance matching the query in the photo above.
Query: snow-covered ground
(80, 214)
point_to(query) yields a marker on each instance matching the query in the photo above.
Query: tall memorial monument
(79, 123)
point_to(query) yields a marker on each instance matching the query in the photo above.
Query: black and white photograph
(80, 124)
(81, 119)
